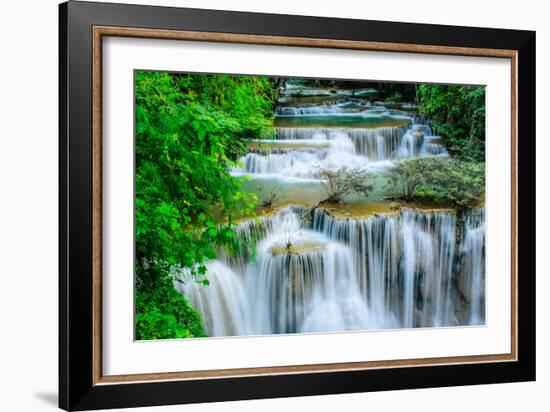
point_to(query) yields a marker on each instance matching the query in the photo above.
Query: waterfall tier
(299, 152)
(379, 143)
(410, 269)
(339, 107)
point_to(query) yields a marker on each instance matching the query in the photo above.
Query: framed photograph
(257, 205)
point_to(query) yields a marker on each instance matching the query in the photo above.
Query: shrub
(340, 183)
(162, 312)
(459, 183)
(268, 196)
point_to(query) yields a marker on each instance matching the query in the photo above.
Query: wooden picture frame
(83, 26)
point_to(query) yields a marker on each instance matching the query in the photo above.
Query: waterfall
(301, 133)
(407, 269)
(473, 250)
(303, 162)
(299, 285)
(348, 106)
(422, 124)
(319, 109)
(406, 262)
(282, 163)
(433, 149)
(375, 144)
(303, 272)
(251, 231)
(223, 305)
(410, 144)
(299, 151)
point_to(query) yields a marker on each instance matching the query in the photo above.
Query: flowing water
(411, 269)
(312, 270)
(331, 136)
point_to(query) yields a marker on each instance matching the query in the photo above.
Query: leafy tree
(395, 99)
(458, 114)
(458, 183)
(162, 313)
(189, 131)
(405, 178)
(342, 182)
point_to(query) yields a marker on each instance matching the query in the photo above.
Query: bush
(268, 196)
(443, 180)
(395, 99)
(340, 183)
(157, 325)
(161, 311)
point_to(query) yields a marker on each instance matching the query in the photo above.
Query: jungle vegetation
(457, 114)
(189, 131)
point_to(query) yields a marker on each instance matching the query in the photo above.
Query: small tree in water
(289, 241)
(268, 196)
(339, 183)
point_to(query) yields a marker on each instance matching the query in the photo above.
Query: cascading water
(380, 143)
(340, 107)
(399, 270)
(307, 149)
(223, 304)
(296, 286)
(314, 270)
(473, 250)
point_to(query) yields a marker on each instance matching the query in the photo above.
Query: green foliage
(405, 178)
(189, 129)
(442, 180)
(340, 183)
(394, 99)
(458, 114)
(396, 92)
(162, 312)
